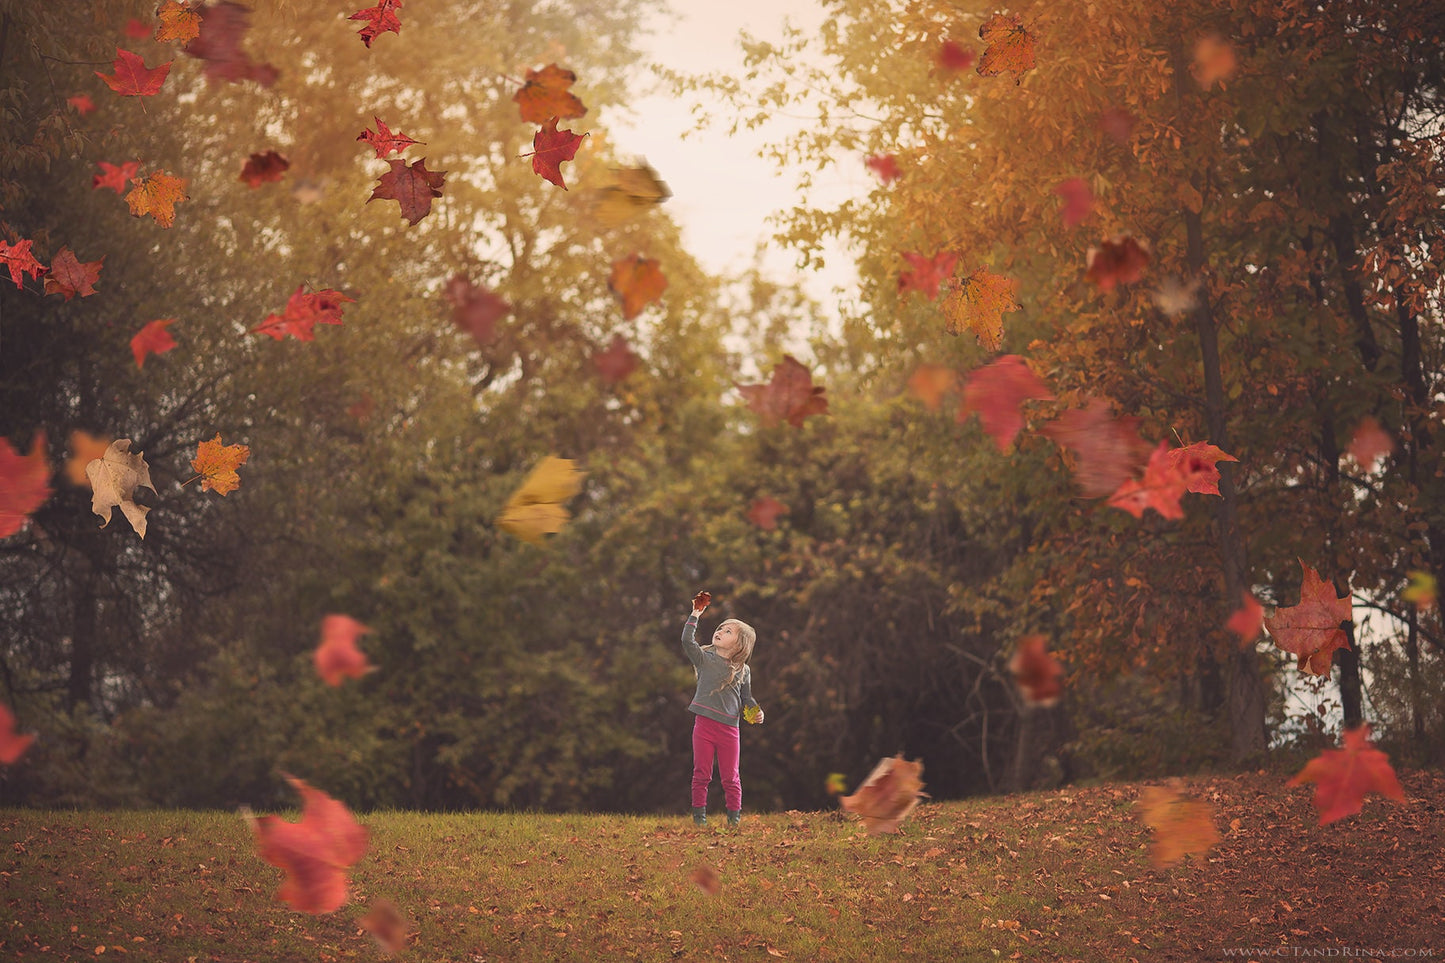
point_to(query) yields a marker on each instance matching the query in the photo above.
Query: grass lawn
(1061, 875)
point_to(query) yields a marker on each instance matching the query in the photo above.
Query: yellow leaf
(535, 509)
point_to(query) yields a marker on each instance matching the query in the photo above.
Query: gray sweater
(715, 698)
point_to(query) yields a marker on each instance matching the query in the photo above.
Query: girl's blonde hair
(747, 638)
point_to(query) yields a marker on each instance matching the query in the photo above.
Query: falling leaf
(1368, 443)
(314, 852)
(1182, 826)
(885, 166)
(114, 177)
(262, 167)
(764, 512)
(1078, 200)
(20, 262)
(1160, 489)
(137, 30)
(1036, 672)
(1174, 297)
(411, 185)
(386, 925)
(702, 600)
(1197, 464)
(84, 448)
(997, 392)
(223, 27)
(152, 339)
(385, 141)
(1010, 46)
(638, 281)
(23, 483)
(926, 273)
(977, 303)
(1247, 620)
(69, 277)
(545, 94)
(535, 509)
(114, 477)
(157, 196)
(304, 310)
(1117, 124)
(379, 19)
(475, 310)
(178, 22)
(706, 879)
(789, 395)
(216, 465)
(132, 78)
(951, 58)
(1421, 590)
(929, 382)
(835, 784)
(635, 190)
(82, 103)
(1214, 61)
(616, 362)
(12, 744)
(551, 148)
(1315, 627)
(1120, 260)
(1343, 776)
(337, 656)
(887, 796)
(1107, 450)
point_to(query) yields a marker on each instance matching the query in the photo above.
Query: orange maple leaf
(337, 656)
(1214, 60)
(930, 382)
(1315, 627)
(638, 281)
(977, 303)
(157, 196)
(1247, 620)
(1010, 46)
(545, 94)
(764, 512)
(84, 449)
(888, 795)
(23, 483)
(1036, 671)
(1343, 776)
(314, 853)
(1182, 826)
(215, 464)
(179, 22)
(1160, 489)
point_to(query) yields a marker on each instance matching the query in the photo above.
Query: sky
(723, 192)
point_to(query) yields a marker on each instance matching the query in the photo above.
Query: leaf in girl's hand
(701, 600)
(887, 796)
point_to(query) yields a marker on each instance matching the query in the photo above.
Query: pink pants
(712, 738)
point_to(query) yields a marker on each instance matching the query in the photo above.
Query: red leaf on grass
(412, 186)
(379, 19)
(23, 483)
(1119, 260)
(638, 281)
(550, 148)
(12, 744)
(218, 43)
(764, 512)
(69, 277)
(883, 165)
(926, 273)
(617, 362)
(1343, 776)
(545, 94)
(997, 392)
(475, 310)
(314, 853)
(887, 796)
(386, 925)
(337, 656)
(1107, 450)
(152, 339)
(1315, 627)
(384, 140)
(19, 261)
(1247, 620)
(114, 177)
(789, 395)
(303, 312)
(262, 167)
(132, 78)
(1036, 672)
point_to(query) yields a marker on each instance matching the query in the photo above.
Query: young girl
(724, 690)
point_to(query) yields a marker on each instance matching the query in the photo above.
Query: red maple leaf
(1369, 443)
(262, 167)
(136, 29)
(617, 362)
(384, 140)
(412, 186)
(68, 276)
(550, 148)
(114, 177)
(1315, 627)
(475, 310)
(19, 261)
(789, 396)
(951, 58)
(314, 853)
(997, 392)
(926, 273)
(1036, 672)
(638, 281)
(1160, 489)
(337, 656)
(12, 744)
(887, 796)
(884, 165)
(303, 312)
(1247, 620)
(23, 483)
(764, 512)
(1107, 450)
(545, 94)
(1120, 260)
(1197, 464)
(82, 103)
(1343, 776)
(152, 339)
(218, 43)
(1078, 200)
(379, 19)
(132, 78)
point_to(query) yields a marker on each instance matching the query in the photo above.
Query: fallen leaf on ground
(386, 925)
(706, 879)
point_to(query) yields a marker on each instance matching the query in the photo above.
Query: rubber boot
(699, 815)
(735, 816)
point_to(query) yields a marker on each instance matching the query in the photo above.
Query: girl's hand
(753, 714)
